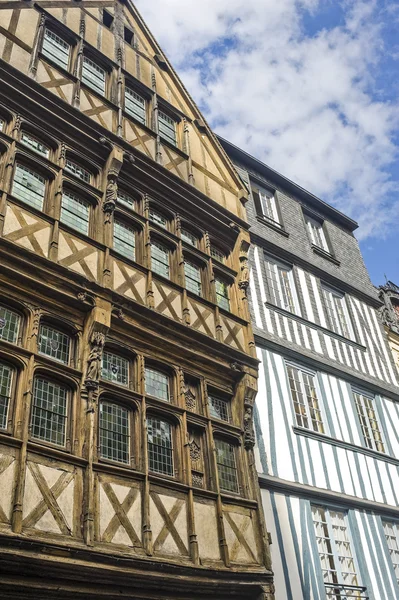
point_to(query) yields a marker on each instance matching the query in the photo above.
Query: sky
(310, 87)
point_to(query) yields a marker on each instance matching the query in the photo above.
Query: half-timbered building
(127, 360)
(327, 412)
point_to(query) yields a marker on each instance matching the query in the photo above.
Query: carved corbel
(85, 297)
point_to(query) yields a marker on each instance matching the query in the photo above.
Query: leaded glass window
(368, 421)
(335, 552)
(56, 48)
(193, 277)
(114, 432)
(391, 530)
(217, 254)
(281, 285)
(219, 408)
(75, 212)
(29, 186)
(160, 446)
(157, 384)
(9, 325)
(157, 218)
(135, 105)
(77, 170)
(34, 144)
(160, 259)
(54, 343)
(222, 294)
(115, 368)
(316, 233)
(124, 198)
(337, 312)
(227, 466)
(167, 128)
(305, 399)
(93, 75)
(6, 373)
(124, 239)
(49, 413)
(188, 237)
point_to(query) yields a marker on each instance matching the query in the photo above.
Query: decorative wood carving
(94, 361)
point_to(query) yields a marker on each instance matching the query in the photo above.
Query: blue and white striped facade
(328, 436)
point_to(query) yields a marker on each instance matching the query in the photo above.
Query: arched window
(29, 186)
(160, 446)
(115, 368)
(10, 323)
(49, 411)
(114, 432)
(157, 384)
(54, 343)
(6, 379)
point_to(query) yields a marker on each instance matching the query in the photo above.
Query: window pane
(135, 105)
(156, 384)
(218, 408)
(124, 239)
(157, 218)
(56, 49)
(227, 469)
(167, 128)
(77, 170)
(115, 368)
(160, 448)
(222, 294)
(5, 392)
(193, 278)
(217, 254)
(337, 317)
(188, 237)
(368, 422)
(391, 531)
(9, 325)
(29, 186)
(125, 199)
(33, 143)
(269, 208)
(75, 212)
(281, 285)
(305, 400)
(54, 343)
(160, 259)
(49, 414)
(93, 75)
(316, 233)
(114, 432)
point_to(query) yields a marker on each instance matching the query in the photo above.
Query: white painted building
(327, 419)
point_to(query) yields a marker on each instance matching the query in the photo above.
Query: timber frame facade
(128, 368)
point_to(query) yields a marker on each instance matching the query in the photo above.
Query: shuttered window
(282, 291)
(316, 233)
(227, 466)
(222, 294)
(368, 421)
(54, 343)
(167, 128)
(56, 49)
(29, 186)
(9, 325)
(337, 312)
(160, 446)
(391, 530)
(193, 277)
(124, 239)
(6, 373)
(34, 144)
(135, 105)
(49, 411)
(160, 259)
(305, 399)
(114, 429)
(336, 556)
(75, 212)
(93, 75)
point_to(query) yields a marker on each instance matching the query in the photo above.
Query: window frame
(69, 397)
(173, 447)
(218, 278)
(219, 397)
(168, 117)
(21, 317)
(161, 214)
(37, 139)
(133, 90)
(213, 254)
(312, 423)
(278, 266)
(75, 162)
(168, 376)
(131, 446)
(115, 352)
(99, 63)
(164, 246)
(128, 226)
(196, 265)
(39, 174)
(58, 329)
(363, 395)
(237, 466)
(336, 325)
(63, 38)
(81, 198)
(14, 372)
(313, 223)
(193, 243)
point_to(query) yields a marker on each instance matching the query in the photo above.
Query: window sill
(316, 326)
(326, 255)
(323, 437)
(271, 225)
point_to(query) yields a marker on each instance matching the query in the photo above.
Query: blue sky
(310, 87)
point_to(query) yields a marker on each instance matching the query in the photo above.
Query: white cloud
(302, 104)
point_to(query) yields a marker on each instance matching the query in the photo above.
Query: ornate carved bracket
(244, 268)
(389, 295)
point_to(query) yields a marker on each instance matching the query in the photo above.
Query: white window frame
(54, 47)
(274, 273)
(317, 234)
(268, 206)
(391, 550)
(335, 324)
(360, 399)
(314, 424)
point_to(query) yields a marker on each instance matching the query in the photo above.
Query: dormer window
(167, 128)
(135, 105)
(266, 206)
(34, 144)
(56, 49)
(93, 75)
(77, 170)
(316, 233)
